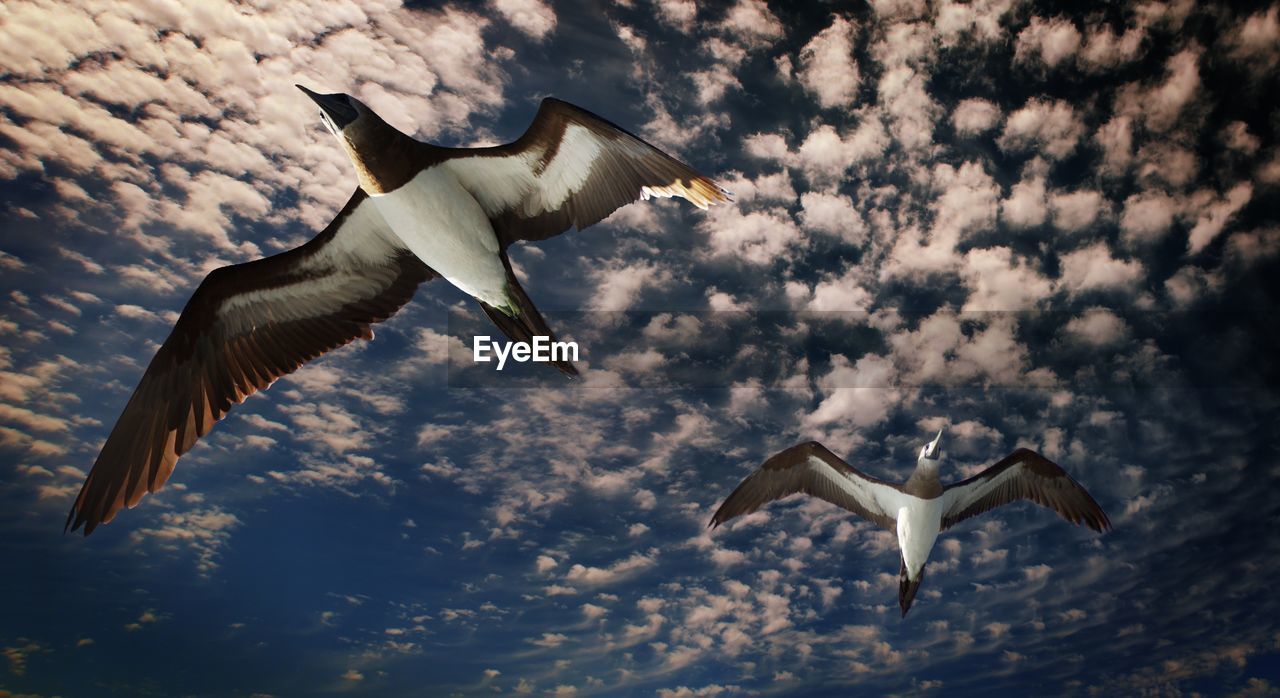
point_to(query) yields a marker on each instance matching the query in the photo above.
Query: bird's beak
(334, 106)
(935, 445)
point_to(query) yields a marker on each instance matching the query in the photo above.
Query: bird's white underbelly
(918, 524)
(445, 227)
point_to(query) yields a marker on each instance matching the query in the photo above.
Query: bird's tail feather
(907, 587)
(520, 321)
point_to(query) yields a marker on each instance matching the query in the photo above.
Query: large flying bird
(420, 211)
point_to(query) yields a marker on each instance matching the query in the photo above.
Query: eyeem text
(541, 350)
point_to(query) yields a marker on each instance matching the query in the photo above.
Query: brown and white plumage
(245, 326)
(919, 509)
(812, 469)
(572, 168)
(420, 211)
(1023, 475)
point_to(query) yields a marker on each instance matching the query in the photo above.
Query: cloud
(1052, 41)
(678, 14)
(18, 655)
(755, 237)
(1255, 41)
(825, 155)
(548, 640)
(857, 394)
(1092, 267)
(1026, 205)
(1103, 50)
(999, 282)
(230, 132)
(911, 110)
(1077, 210)
(1052, 127)
(1215, 216)
(827, 68)
(832, 214)
(974, 116)
(205, 532)
(1098, 326)
(973, 21)
(751, 23)
(618, 571)
(620, 284)
(965, 202)
(533, 17)
(1160, 106)
(712, 84)
(1116, 140)
(1147, 216)
(32, 420)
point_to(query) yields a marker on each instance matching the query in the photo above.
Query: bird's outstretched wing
(571, 168)
(1023, 474)
(245, 326)
(812, 469)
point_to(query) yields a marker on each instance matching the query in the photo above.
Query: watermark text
(541, 350)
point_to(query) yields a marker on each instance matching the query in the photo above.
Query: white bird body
(443, 225)
(919, 522)
(918, 518)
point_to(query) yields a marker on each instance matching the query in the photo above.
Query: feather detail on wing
(812, 469)
(1023, 474)
(245, 326)
(572, 168)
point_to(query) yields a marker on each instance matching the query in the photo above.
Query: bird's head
(342, 114)
(371, 143)
(931, 453)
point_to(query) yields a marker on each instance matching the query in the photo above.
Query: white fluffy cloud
(1052, 41)
(860, 394)
(1093, 268)
(1098, 326)
(1052, 127)
(825, 155)
(1104, 50)
(827, 68)
(832, 214)
(1147, 216)
(1077, 210)
(757, 237)
(965, 202)
(751, 23)
(1256, 41)
(998, 282)
(233, 133)
(1026, 205)
(973, 116)
(1159, 106)
(533, 17)
(1213, 217)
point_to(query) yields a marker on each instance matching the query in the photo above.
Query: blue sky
(1032, 228)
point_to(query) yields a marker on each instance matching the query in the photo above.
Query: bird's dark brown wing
(571, 168)
(812, 469)
(1023, 474)
(245, 326)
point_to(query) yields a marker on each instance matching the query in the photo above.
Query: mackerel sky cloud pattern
(1031, 226)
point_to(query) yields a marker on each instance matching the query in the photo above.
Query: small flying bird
(922, 507)
(420, 211)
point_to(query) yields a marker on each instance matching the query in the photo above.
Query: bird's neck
(924, 481)
(385, 159)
